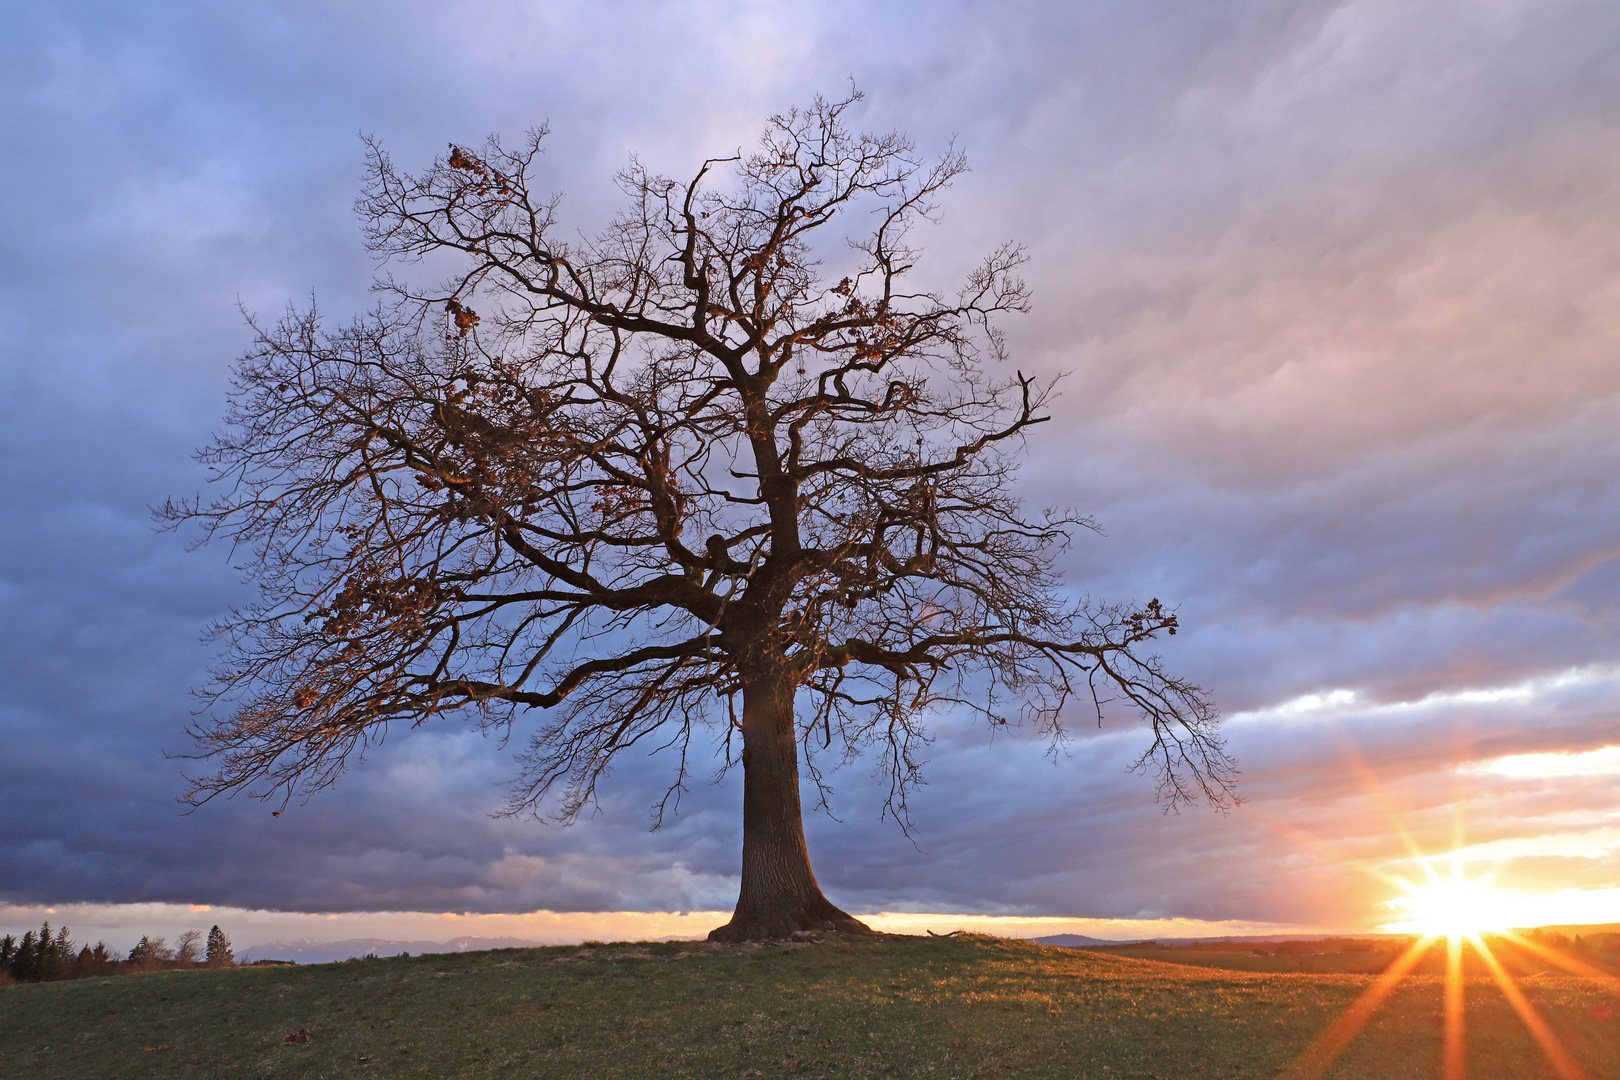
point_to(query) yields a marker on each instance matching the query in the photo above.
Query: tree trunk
(779, 892)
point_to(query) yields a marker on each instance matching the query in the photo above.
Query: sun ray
(1358, 765)
(1563, 960)
(1552, 1048)
(1352, 756)
(1452, 906)
(1310, 842)
(1325, 1049)
(1455, 905)
(1454, 1050)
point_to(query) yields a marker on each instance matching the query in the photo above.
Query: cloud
(1335, 285)
(1604, 761)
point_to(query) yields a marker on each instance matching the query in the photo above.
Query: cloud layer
(1337, 286)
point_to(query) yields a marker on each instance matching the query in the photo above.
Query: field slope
(906, 1007)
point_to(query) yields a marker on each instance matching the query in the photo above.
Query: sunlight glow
(1326, 1047)
(1564, 962)
(1455, 907)
(1454, 1045)
(1601, 762)
(1446, 906)
(1593, 843)
(1459, 908)
(1551, 1047)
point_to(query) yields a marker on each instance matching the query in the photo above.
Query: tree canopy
(721, 473)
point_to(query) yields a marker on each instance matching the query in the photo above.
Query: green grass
(903, 1007)
(1226, 959)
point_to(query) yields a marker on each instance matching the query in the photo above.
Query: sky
(1336, 287)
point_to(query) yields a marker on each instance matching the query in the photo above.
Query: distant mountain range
(1080, 941)
(305, 951)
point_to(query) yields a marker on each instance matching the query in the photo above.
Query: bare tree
(150, 954)
(188, 948)
(680, 479)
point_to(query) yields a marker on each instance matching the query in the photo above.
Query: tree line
(46, 956)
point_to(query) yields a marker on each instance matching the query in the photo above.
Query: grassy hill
(1370, 957)
(904, 1007)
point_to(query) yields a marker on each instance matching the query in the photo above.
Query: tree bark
(779, 892)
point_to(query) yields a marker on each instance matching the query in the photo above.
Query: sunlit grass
(1458, 909)
(894, 1008)
(1325, 1049)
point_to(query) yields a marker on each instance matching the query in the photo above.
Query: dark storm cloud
(1336, 285)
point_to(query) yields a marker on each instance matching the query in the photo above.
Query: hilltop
(891, 1006)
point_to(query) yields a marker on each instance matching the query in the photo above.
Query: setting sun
(1456, 907)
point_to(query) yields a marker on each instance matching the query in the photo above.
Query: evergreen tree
(45, 953)
(61, 961)
(219, 949)
(25, 964)
(8, 950)
(141, 953)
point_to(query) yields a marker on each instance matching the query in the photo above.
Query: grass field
(1517, 960)
(904, 1007)
(1230, 960)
